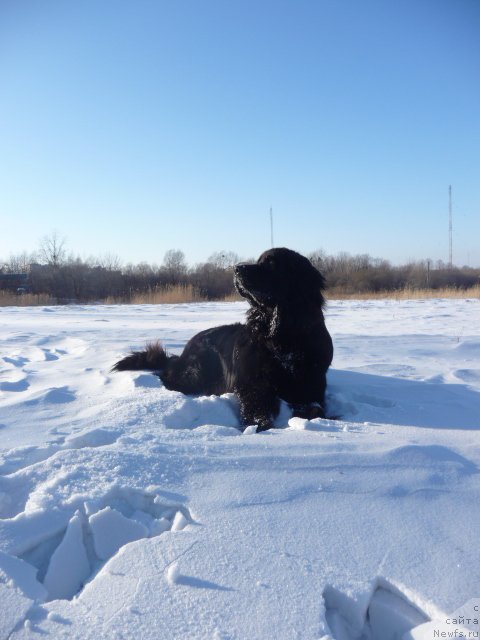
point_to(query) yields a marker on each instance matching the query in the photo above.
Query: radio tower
(271, 226)
(450, 242)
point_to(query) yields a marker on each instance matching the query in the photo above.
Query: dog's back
(205, 366)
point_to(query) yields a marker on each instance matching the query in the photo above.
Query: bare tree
(318, 258)
(174, 265)
(52, 249)
(109, 261)
(224, 259)
(19, 263)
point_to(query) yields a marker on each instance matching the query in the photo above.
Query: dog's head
(278, 278)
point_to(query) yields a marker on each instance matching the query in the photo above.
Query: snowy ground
(130, 511)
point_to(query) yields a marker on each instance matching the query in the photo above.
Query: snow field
(130, 511)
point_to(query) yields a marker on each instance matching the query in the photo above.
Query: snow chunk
(298, 424)
(158, 526)
(173, 573)
(390, 616)
(179, 522)
(250, 430)
(69, 566)
(142, 517)
(22, 575)
(112, 530)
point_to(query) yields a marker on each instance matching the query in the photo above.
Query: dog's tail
(153, 358)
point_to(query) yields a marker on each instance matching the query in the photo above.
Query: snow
(131, 511)
(69, 567)
(111, 531)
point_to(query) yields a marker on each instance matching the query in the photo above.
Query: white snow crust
(130, 511)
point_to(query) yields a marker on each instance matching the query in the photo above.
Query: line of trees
(362, 273)
(68, 278)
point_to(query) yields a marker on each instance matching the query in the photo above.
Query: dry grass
(178, 294)
(187, 293)
(9, 299)
(174, 294)
(233, 297)
(405, 294)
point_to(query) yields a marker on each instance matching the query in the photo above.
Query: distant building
(17, 282)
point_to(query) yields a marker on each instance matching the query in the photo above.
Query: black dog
(283, 350)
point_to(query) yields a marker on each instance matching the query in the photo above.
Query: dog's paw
(308, 411)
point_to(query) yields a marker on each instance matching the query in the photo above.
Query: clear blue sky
(133, 127)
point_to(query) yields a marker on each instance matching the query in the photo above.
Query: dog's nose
(240, 267)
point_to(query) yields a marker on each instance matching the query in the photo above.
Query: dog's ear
(316, 279)
(310, 287)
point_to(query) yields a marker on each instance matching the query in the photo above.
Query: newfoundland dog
(282, 352)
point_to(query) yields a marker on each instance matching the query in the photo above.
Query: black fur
(283, 350)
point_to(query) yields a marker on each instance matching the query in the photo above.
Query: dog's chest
(290, 361)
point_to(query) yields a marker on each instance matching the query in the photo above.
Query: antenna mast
(450, 242)
(271, 226)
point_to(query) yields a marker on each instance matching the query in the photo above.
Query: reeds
(404, 294)
(172, 294)
(185, 293)
(10, 299)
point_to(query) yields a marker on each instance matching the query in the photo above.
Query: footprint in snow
(17, 361)
(15, 387)
(62, 346)
(50, 356)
